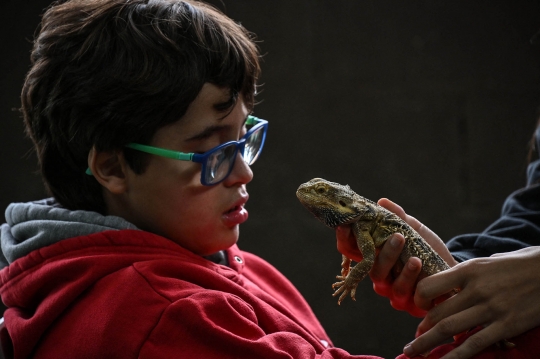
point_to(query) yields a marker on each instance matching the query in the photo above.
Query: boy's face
(168, 198)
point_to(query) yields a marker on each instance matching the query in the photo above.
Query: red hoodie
(133, 294)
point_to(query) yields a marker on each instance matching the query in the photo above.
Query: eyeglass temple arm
(251, 120)
(175, 155)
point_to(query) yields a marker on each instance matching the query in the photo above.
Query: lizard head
(330, 202)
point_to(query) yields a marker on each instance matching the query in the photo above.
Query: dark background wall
(429, 103)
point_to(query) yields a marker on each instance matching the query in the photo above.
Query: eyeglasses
(218, 162)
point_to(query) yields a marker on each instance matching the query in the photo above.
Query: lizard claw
(344, 289)
(340, 289)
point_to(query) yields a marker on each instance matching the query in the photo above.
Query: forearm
(226, 326)
(518, 226)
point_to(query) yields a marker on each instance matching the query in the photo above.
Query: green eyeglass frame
(217, 163)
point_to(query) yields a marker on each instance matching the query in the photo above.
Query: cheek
(177, 206)
(173, 185)
(165, 197)
(195, 211)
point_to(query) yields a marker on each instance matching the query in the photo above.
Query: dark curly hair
(108, 72)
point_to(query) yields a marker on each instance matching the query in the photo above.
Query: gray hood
(34, 225)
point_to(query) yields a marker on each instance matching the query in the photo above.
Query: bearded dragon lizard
(335, 204)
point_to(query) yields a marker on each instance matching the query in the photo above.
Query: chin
(214, 247)
(227, 245)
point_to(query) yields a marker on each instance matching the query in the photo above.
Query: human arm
(498, 292)
(248, 309)
(518, 226)
(214, 324)
(490, 282)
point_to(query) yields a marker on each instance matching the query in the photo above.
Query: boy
(140, 115)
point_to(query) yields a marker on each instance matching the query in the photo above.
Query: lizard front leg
(349, 282)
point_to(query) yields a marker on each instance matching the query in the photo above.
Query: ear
(109, 169)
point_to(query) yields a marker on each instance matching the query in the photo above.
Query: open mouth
(235, 208)
(236, 215)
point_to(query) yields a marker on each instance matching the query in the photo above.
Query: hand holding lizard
(499, 292)
(389, 278)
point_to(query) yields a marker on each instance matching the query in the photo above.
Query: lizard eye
(320, 190)
(342, 204)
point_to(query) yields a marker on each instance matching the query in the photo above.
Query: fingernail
(411, 266)
(408, 350)
(394, 241)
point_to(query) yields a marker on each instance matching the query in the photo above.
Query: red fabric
(132, 294)
(527, 346)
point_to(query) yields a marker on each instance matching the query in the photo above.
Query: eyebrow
(208, 132)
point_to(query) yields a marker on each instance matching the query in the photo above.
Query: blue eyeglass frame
(202, 158)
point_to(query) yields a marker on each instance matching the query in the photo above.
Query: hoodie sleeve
(518, 226)
(218, 325)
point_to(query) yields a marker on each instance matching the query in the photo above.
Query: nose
(241, 172)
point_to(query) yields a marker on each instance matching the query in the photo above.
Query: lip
(236, 214)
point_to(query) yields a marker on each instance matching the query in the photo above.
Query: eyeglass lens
(219, 163)
(253, 146)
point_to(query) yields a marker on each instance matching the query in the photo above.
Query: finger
(436, 285)
(386, 263)
(405, 283)
(346, 243)
(441, 332)
(387, 257)
(404, 286)
(452, 306)
(426, 233)
(477, 342)
(392, 207)
(400, 212)
(423, 327)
